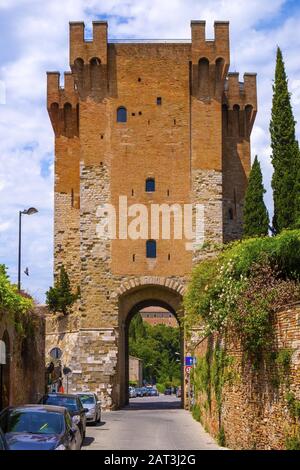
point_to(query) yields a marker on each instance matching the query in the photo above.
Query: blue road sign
(189, 360)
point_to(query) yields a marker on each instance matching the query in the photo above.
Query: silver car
(90, 401)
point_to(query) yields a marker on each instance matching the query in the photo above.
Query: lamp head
(30, 211)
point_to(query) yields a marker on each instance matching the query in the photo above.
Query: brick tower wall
(186, 143)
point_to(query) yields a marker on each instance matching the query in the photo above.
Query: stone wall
(24, 372)
(254, 411)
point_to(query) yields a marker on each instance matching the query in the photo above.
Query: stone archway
(135, 296)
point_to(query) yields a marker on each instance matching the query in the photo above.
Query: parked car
(91, 401)
(73, 405)
(132, 392)
(38, 427)
(145, 391)
(3, 443)
(168, 391)
(139, 392)
(153, 392)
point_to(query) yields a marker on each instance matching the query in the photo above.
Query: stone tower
(155, 122)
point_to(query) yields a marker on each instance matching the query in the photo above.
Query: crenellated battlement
(58, 94)
(84, 50)
(239, 105)
(63, 104)
(241, 93)
(212, 50)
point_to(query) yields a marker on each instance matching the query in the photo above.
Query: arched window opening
(248, 118)
(54, 113)
(79, 64)
(95, 69)
(225, 119)
(219, 68)
(68, 119)
(121, 114)
(151, 249)
(150, 185)
(203, 76)
(236, 120)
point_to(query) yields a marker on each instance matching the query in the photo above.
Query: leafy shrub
(196, 413)
(292, 442)
(10, 299)
(244, 285)
(221, 438)
(293, 405)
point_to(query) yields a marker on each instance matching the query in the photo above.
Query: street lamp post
(29, 211)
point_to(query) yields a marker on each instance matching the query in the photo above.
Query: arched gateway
(132, 301)
(124, 243)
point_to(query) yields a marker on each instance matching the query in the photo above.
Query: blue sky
(34, 39)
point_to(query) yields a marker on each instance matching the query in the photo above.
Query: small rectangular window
(158, 100)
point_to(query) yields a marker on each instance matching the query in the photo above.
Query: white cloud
(36, 34)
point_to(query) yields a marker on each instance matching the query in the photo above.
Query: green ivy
(293, 405)
(292, 442)
(243, 285)
(221, 438)
(14, 306)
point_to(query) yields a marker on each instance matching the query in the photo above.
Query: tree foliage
(156, 346)
(10, 299)
(256, 219)
(285, 153)
(60, 297)
(243, 286)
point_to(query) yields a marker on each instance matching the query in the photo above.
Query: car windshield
(34, 422)
(68, 402)
(87, 399)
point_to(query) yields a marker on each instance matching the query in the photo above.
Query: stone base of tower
(91, 354)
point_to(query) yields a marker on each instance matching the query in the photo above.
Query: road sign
(189, 360)
(188, 370)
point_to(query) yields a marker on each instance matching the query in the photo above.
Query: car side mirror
(86, 410)
(76, 419)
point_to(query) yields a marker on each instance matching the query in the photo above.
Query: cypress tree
(297, 199)
(60, 297)
(256, 219)
(285, 151)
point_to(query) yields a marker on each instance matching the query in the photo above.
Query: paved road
(152, 423)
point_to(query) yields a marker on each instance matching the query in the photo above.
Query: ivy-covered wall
(247, 380)
(246, 406)
(22, 328)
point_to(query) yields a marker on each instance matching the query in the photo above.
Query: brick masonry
(195, 143)
(254, 412)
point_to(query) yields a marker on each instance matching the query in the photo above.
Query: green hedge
(10, 299)
(242, 285)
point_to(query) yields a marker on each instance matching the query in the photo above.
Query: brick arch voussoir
(135, 283)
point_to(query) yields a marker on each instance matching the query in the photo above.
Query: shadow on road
(153, 404)
(88, 441)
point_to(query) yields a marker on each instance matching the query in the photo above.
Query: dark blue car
(36, 427)
(3, 443)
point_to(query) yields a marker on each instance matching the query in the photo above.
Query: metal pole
(19, 256)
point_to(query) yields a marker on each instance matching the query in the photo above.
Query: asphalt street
(149, 423)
